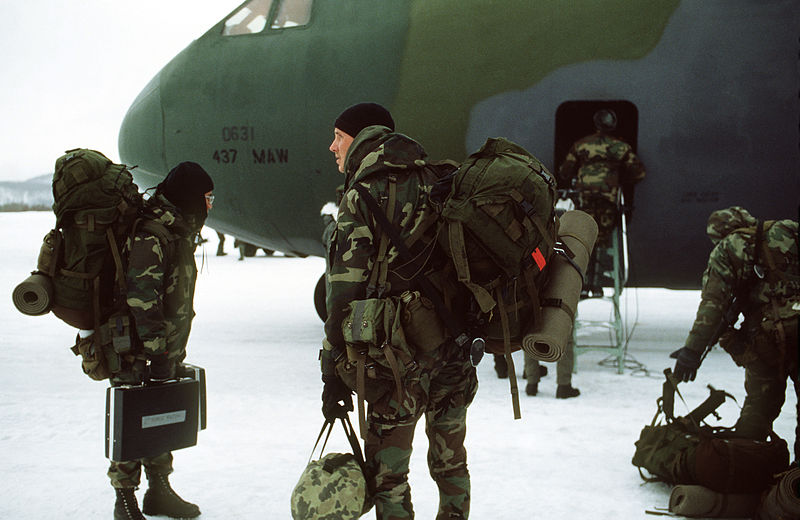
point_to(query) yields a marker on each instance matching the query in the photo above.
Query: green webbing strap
(428, 290)
(377, 277)
(361, 392)
(458, 251)
(119, 275)
(512, 374)
(533, 293)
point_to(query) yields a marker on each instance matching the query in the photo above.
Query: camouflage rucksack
(499, 230)
(96, 203)
(335, 485)
(666, 451)
(686, 451)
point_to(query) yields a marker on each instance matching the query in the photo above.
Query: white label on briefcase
(162, 419)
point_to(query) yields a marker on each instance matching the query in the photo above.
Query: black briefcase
(145, 421)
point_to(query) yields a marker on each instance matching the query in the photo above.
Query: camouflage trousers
(765, 387)
(442, 394)
(128, 474)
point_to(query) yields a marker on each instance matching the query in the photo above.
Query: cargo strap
(512, 374)
(428, 290)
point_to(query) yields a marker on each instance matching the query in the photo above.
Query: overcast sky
(70, 70)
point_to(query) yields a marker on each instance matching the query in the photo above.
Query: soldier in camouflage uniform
(439, 382)
(597, 166)
(761, 273)
(161, 276)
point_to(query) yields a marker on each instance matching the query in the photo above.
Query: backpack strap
(458, 251)
(377, 278)
(460, 336)
(512, 374)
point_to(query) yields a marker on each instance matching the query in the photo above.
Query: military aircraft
(706, 92)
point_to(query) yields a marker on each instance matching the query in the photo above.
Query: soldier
(597, 166)
(161, 278)
(438, 380)
(752, 269)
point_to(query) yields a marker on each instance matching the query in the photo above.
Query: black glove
(336, 398)
(687, 361)
(161, 368)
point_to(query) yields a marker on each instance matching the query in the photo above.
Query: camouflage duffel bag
(333, 486)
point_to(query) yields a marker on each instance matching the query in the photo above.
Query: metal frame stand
(615, 327)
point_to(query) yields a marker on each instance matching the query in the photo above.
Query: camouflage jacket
(161, 276)
(601, 164)
(730, 272)
(375, 157)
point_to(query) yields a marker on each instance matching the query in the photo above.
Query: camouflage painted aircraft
(705, 90)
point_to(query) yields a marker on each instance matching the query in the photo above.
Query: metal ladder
(612, 327)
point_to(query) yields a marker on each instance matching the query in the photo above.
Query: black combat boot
(160, 499)
(532, 389)
(562, 392)
(126, 507)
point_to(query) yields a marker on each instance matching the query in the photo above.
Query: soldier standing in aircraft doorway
(753, 270)
(598, 165)
(413, 374)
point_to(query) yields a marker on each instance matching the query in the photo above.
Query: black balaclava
(357, 117)
(185, 186)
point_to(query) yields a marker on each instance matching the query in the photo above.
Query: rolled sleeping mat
(701, 502)
(561, 293)
(783, 500)
(34, 295)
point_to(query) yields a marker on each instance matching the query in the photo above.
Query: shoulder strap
(380, 269)
(461, 337)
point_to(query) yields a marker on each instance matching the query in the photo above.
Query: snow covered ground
(257, 335)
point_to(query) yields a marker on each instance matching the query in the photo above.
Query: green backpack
(499, 231)
(96, 204)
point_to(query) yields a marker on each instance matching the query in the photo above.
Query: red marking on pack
(538, 257)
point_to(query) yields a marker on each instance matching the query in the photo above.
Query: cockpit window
(254, 16)
(292, 13)
(250, 18)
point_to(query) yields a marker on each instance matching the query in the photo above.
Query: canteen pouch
(119, 329)
(93, 358)
(422, 326)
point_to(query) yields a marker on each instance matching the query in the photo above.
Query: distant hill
(33, 194)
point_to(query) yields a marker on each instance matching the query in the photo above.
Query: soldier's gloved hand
(337, 398)
(161, 368)
(687, 361)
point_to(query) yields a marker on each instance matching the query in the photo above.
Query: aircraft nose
(141, 135)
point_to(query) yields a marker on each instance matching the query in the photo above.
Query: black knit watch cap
(357, 117)
(185, 186)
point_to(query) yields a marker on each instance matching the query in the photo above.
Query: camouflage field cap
(723, 221)
(331, 487)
